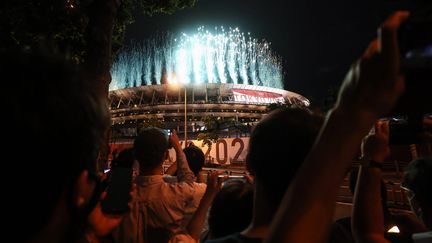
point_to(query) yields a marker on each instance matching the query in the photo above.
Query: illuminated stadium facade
(224, 74)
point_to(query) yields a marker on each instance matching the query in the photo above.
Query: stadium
(245, 104)
(221, 74)
(225, 74)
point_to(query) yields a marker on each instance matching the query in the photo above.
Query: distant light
(70, 4)
(394, 229)
(135, 105)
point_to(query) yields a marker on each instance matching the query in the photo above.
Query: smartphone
(415, 47)
(168, 133)
(118, 191)
(408, 130)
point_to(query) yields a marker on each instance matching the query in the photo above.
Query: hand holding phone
(118, 191)
(415, 44)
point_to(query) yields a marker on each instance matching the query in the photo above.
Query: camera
(119, 184)
(407, 131)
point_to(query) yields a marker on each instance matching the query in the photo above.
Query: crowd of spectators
(297, 160)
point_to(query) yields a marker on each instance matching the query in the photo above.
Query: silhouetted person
(278, 145)
(55, 127)
(231, 210)
(369, 223)
(195, 158)
(418, 181)
(161, 208)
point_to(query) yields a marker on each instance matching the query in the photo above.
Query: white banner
(224, 151)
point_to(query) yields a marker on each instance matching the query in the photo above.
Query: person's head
(151, 147)
(278, 145)
(231, 210)
(195, 158)
(56, 125)
(124, 159)
(418, 181)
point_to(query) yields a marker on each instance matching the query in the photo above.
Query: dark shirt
(235, 238)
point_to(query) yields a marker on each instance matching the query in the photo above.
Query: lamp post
(177, 85)
(185, 116)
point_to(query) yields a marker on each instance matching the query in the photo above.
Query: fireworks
(218, 56)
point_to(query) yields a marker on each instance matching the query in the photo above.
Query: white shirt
(161, 203)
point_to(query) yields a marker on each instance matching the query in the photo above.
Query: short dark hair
(150, 147)
(418, 178)
(124, 159)
(232, 208)
(56, 125)
(195, 158)
(277, 147)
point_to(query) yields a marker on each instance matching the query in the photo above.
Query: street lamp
(185, 116)
(176, 84)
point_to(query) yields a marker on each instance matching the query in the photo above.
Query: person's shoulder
(200, 187)
(235, 238)
(179, 187)
(170, 179)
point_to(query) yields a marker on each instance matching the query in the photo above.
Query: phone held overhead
(119, 184)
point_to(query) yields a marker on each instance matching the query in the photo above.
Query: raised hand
(374, 82)
(174, 140)
(375, 145)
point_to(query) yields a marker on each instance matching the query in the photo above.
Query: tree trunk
(98, 58)
(99, 32)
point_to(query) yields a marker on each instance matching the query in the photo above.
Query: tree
(210, 134)
(153, 121)
(90, 31)
(214, 125)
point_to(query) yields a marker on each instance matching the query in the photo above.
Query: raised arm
(370, 90)
(368, 217)
(214, 185)
(172, 169)
(184, 174)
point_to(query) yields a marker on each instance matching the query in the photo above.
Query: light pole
(177, 85)
(185, 116)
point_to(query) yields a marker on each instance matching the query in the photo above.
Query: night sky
(318, 40)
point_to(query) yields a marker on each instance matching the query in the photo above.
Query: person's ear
(84, 188)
